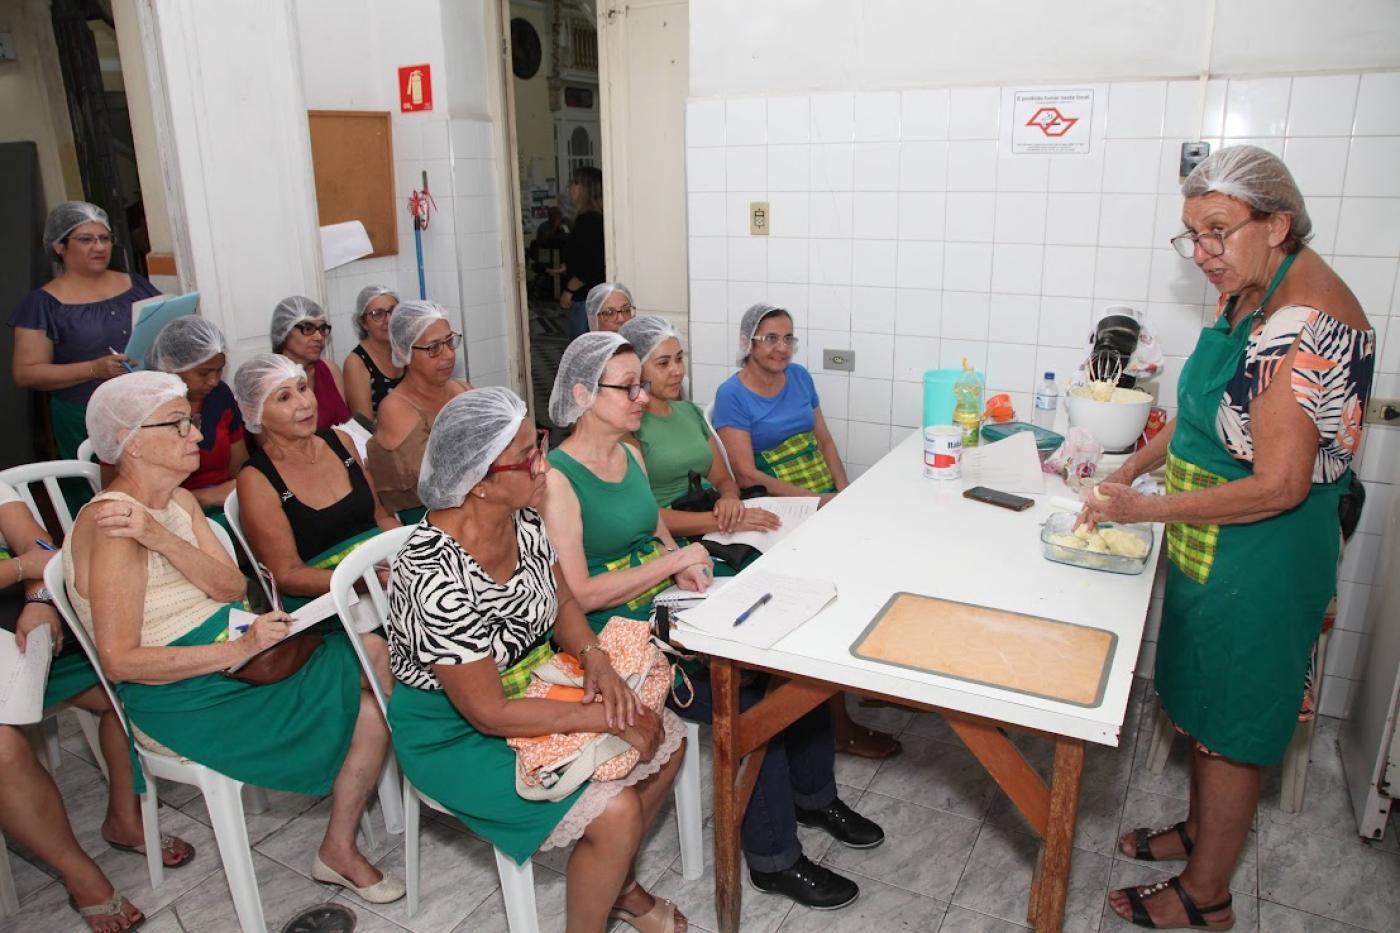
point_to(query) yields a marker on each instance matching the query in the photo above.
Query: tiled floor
(958, 858)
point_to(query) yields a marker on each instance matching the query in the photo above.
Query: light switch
(759, 218)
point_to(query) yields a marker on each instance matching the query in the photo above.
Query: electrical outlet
(1383, 411)
(759, 218)
(839, 360)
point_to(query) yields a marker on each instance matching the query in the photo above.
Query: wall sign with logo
(1052, 122)
(415, 88)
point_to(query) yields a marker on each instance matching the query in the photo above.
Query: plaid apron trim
(516, 678)
(799, 461)
(636, 559)
(1191, 547)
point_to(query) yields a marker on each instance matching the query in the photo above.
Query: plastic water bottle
(1047, 399)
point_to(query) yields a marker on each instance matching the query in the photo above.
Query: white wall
(32, 101)
(902, 231)
(775, 46)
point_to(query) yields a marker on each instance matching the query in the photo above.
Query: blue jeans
(798, 771)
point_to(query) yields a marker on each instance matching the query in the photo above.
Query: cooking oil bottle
(967, 413)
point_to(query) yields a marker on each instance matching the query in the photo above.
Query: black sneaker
(844, 825)
(809, 884)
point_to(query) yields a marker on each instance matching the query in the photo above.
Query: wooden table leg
(724, 686)
(1051, 887)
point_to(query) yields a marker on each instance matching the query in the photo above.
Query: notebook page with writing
(791, 511)
(793, 601)
(23, 676)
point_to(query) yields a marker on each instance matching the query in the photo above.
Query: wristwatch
(41, 595)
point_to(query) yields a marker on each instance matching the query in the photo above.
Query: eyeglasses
(375, 314)
(306, 329)
(89, 240)
(772, 340)
(181, 425)
(1212, 244)
(624, 311)
(434, 349)
(634, 391)
(532, 462)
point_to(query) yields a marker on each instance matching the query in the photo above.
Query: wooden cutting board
(1056, 660)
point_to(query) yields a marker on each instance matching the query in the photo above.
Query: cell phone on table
(996, 497)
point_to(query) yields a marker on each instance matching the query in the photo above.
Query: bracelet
(41, 595)
(19, 569)
(596, 646)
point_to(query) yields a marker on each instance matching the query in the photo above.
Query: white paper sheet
(318, 610)
(23, 676)
(674, 596)
(358, 436)
(1010, 465)
(343, 243)
(794, 601)
(791, 511)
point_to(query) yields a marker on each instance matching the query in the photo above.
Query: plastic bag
(1077, 458)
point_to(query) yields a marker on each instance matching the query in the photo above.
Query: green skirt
(69, 423)
(292, 735)
(471, 774)
(69, 675)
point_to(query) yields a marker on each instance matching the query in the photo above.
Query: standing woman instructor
(69, 333)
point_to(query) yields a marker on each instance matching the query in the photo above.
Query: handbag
(701, 498)
(551, 767)
(280, 661)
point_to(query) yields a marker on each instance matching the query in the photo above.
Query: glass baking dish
(1062, 523)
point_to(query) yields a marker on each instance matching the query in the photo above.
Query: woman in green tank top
(614, 549)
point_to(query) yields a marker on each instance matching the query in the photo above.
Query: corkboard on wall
(352, 155)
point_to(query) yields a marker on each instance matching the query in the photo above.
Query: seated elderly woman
(609, 306)
(31, 808)
(369, 372)
(193, 348)
(425, 345)
(476, 596)
(769, 416)
(615, 553)
(154, 587)
(676, 441)
(300, 332)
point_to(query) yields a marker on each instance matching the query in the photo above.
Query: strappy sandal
(1194, 914)
(110, 909)
(660, 919)
(1142, 841)
(168, 845)
(864, 742)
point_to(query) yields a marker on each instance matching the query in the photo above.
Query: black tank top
(380, 385)
(318, 530)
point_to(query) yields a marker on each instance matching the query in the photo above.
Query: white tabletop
(893, 530)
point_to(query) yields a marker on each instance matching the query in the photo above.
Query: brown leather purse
(280, 661)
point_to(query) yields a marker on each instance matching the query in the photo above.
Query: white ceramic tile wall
(462, 247)
(901, 232)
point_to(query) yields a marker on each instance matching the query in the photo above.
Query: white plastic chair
(231, 514)
(517, 881)
(49, 472)
(86, 452)
(9, 897)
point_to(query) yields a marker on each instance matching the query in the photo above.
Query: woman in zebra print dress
(476, 602)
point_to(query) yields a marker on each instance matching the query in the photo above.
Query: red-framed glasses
(532, 462)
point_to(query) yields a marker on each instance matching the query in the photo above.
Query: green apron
(1244, 603)
(69, 422)
(799, 461)
(329, 559)
(292, 735)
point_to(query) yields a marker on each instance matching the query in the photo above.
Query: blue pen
(44, 544)
(128, 366)
(240, 629)
(744, 616)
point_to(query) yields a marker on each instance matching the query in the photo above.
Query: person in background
(475, 601)
(69, 334)
(369, 371)
(609, 306)
(154, 587)
(676, 441)
(584, 262)
(1258, 464)
(425, 345)
(31, 807)
(300, 332)
(195, 350)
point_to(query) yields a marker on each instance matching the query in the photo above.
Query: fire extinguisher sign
(415, 88)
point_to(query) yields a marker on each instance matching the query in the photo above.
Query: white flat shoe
(384, 891)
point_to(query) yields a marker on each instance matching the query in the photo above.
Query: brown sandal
(660, 919)
(864, 742)
(169, 845)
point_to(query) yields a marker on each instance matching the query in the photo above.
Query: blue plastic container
(939, 400)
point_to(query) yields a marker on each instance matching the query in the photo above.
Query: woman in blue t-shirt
(769, 416)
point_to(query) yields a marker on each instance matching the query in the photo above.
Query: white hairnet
(410, 319)
(362, 300)
(290, 312)
(468, 434)
(184, 343)
(67, 217)
(583, 364)
(748, 325)
(646, 333)
(257, 379)
(599, 294)
(120, 404)
(1258, 178)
